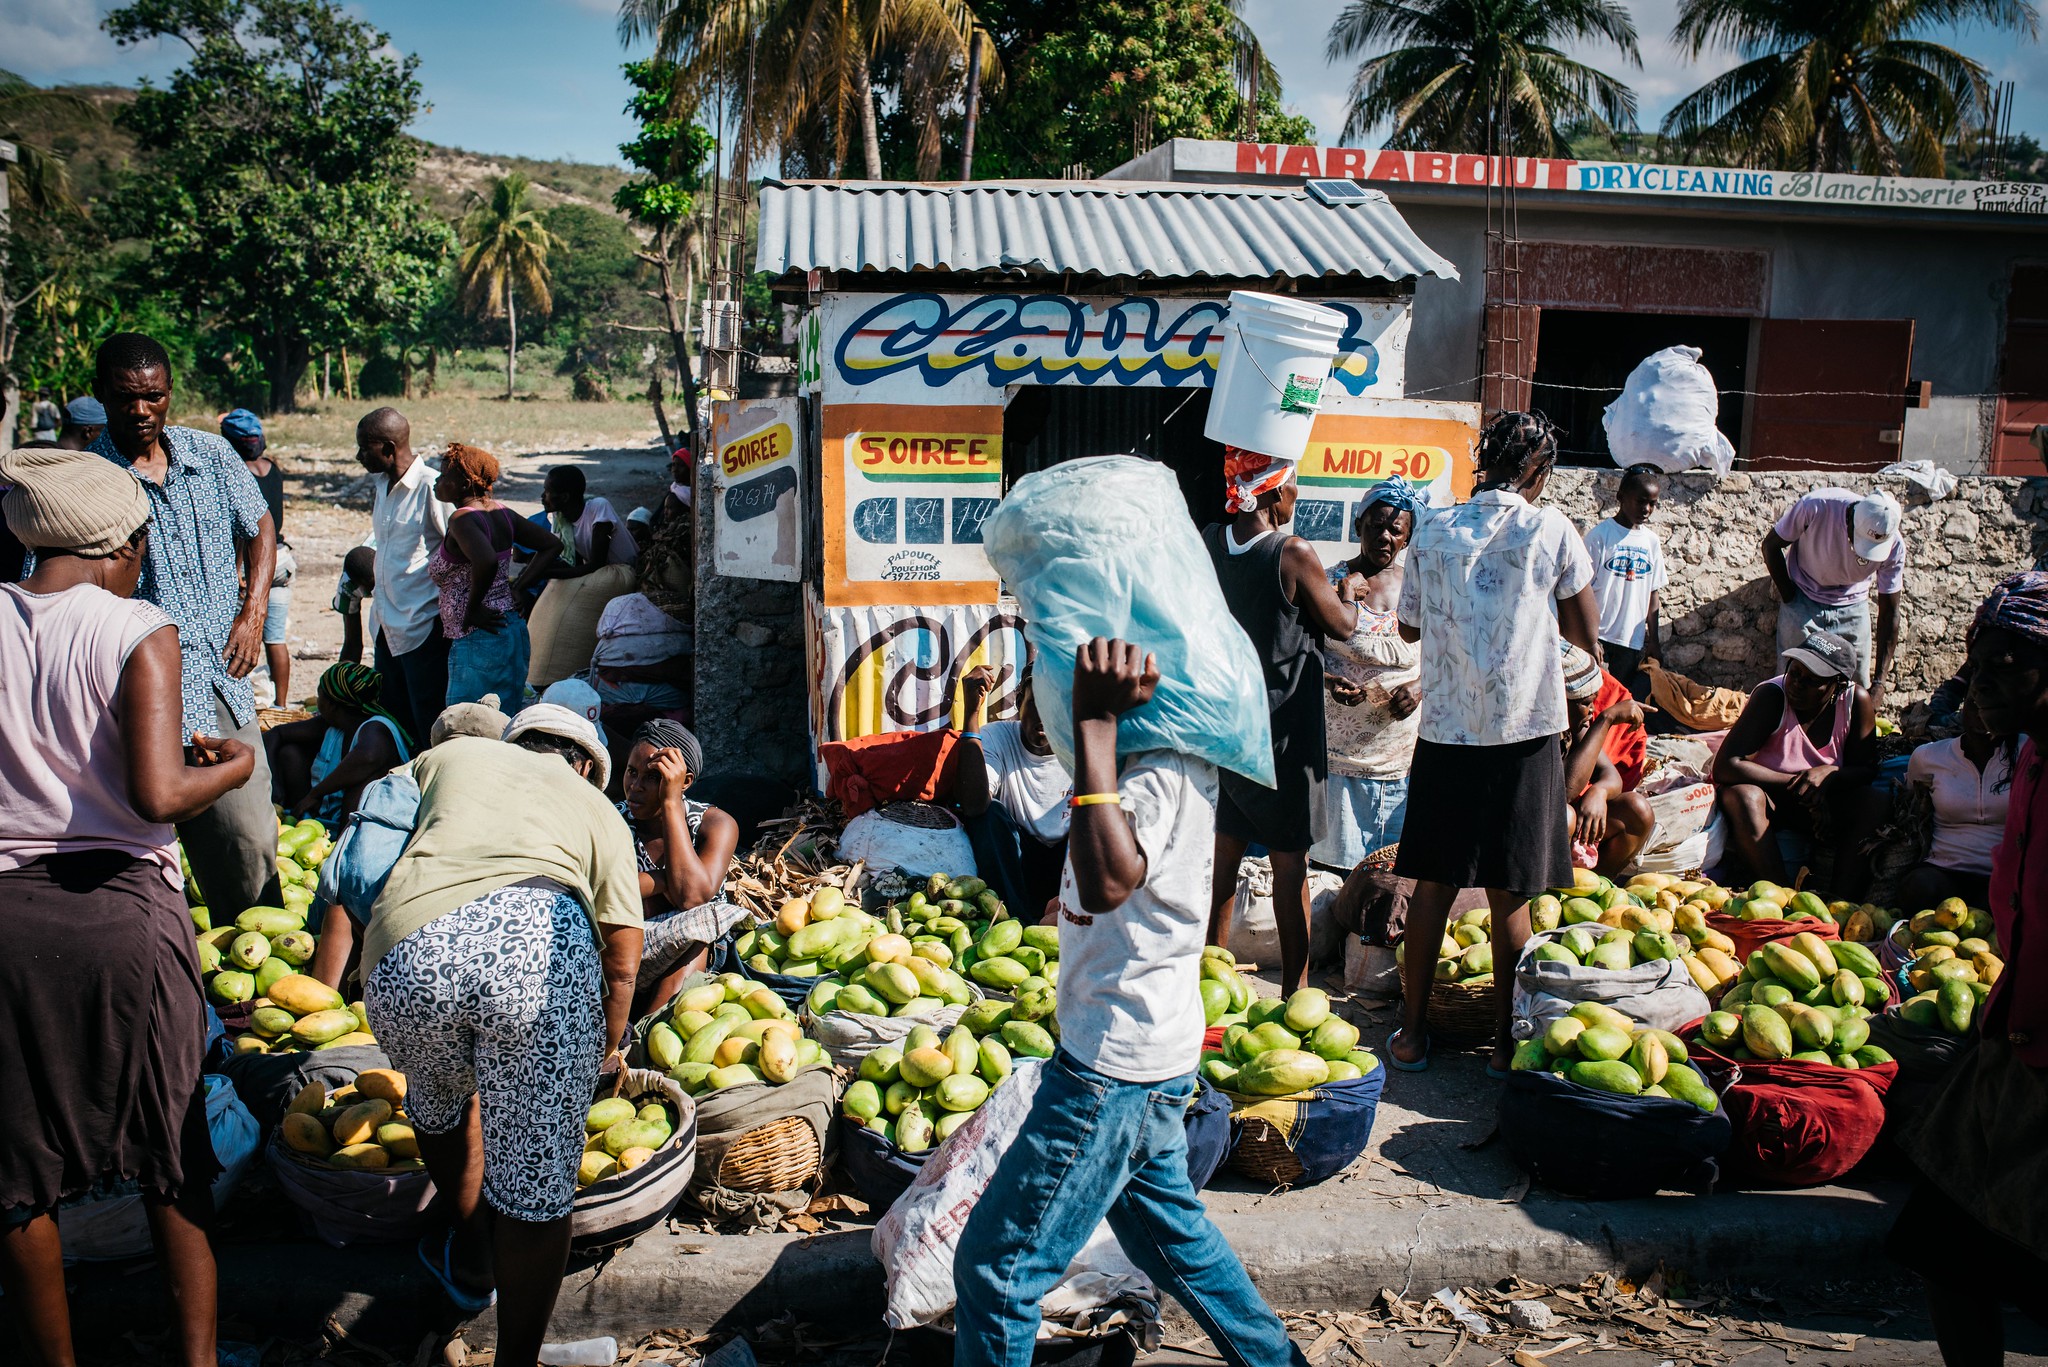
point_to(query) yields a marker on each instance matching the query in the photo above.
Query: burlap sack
(562, 633)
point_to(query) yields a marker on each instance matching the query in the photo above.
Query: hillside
(97, 151)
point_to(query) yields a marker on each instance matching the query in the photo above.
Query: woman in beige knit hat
(94, 774)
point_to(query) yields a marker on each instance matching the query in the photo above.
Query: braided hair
(1514, 445)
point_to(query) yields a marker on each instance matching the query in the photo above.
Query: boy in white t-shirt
(1629, 574)
(1015, 800)
(1107, 1134)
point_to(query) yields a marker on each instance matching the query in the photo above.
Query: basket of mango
(1954, 963)
(348, 1158)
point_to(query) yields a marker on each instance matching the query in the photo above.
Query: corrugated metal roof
(1101, 228)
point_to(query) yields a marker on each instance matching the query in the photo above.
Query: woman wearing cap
(319, 766)
(1374, 682)
(498, 973)
(683, 849)
(487, 651)
(1488, 588)
(1801, 758)
(244, 431)
(100, 1050)
(1979, 1144)
(1277, 589)
(1609, 823)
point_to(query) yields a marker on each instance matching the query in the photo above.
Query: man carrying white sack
(1106, 1137)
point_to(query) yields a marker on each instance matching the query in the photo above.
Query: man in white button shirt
(409, 522)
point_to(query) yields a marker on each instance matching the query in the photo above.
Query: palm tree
(809, 63)
(506, 255)
(1845, 85)
(1482, 75)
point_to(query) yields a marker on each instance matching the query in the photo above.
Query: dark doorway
(1046, 424)
(1583, 358)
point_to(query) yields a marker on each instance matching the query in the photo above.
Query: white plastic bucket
(1276, 355)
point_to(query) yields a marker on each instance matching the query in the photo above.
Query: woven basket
(1383, 857)
(1262, 1155)
(1461, 1013)
(267, 717)
(779, 1156)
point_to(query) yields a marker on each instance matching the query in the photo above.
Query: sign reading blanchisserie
(1606, 177)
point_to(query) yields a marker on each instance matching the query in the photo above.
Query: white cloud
(51, 36)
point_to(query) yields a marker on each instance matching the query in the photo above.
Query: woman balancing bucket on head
(1278, 591)
(1489, 587)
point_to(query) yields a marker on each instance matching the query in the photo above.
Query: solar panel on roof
(1338, 192)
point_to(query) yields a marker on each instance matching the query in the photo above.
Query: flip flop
(1497, 1074)
(443, 1270)
(1418, 1066)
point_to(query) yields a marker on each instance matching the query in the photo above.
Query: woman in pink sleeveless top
(101, 1019)
(1802, 758)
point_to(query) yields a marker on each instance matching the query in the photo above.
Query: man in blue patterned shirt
(212, 551)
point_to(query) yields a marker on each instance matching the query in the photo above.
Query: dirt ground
(327, 494)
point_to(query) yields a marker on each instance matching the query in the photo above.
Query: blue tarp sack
(1104, 547)
(1296, 1141)
(376, 834)
(1605, 1146)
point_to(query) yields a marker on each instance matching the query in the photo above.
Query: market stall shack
(954, 338)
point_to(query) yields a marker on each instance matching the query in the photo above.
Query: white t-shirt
(1628, 566)
(1033, 789)
(598, 510)
(409, 523)
(1130, 979)
(1969, 806)
(1481, 585)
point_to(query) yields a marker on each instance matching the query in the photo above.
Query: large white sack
(1665, 416)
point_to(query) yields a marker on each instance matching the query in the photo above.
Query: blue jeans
(1095, 1148)
(1363, 815)
(1850, 621)
(483, 662)
(1024, 871)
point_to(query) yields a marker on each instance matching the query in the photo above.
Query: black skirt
(102, 1029)
(1487, 816)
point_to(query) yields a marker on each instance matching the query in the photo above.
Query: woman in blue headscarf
(1373, 689)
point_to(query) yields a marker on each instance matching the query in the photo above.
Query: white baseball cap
(1874, 525)
(555, 720)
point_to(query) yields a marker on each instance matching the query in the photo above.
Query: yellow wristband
(1095, 799)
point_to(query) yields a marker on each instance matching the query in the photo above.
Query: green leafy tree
(597, 284)
(1089, 81)
(275, 189)
(1482, 75)
(810, 64)
(505, 258)
(1850, 85)
(672, 156)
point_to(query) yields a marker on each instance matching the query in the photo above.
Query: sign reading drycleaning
(756, 527)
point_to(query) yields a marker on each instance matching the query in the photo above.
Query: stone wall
(1720, 609)
(752, 710)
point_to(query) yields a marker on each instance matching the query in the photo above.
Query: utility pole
(973, 105)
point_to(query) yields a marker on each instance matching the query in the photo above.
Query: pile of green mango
(1610, 947)
(1955, 962)
(901, 976)
(1465, 954)
(623, 1135)
(1805, 999)
(1596, 1046)
(1285, 1047)
(729, 1031)
(917, 1094)
(1226, 994)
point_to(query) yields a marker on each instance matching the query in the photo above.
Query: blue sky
(540, 77)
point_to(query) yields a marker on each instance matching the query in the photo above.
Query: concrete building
(1849, 321)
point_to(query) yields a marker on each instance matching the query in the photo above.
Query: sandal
(1418, 1066)
(443, 1269)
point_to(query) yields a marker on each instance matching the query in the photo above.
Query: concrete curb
(1304, 1255)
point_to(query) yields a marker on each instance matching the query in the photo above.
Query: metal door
(2022, 374)
(1830, 393)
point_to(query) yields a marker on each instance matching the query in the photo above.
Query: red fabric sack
(1750, 936)
(891, 766)
(1796, 1124)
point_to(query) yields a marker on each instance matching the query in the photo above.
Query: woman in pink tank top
(1802, 758)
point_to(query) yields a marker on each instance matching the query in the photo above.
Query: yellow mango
(397, 1138)
(304, 1134)
(360, 1156)
(385, 1084)
(311, 1100)
(358, 1124)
